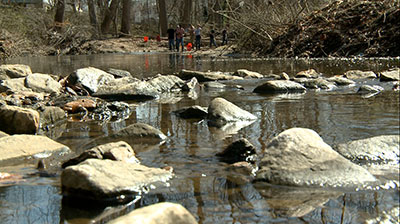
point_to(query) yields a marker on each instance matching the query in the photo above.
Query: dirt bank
(344, 28)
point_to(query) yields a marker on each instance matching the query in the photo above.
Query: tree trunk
(126, 17)
(187, 12)
(92, 13)
(162, 12)
(109, 17)
(59, 17)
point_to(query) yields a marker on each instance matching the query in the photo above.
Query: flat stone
(14, 71)
(341, 81)
(193, 112)
(376, 149)
(160, 213)
(279, 86)
(370, 89)
(118, 73)
(221, 112)
(104, 179)
(42, 83)
(358, 74)
(206, 76)
(299, 157)
(140, 131)
(390, 75)
(18, 120)
(244, 73)
(310, 73)
(316, 83)
(17, 146)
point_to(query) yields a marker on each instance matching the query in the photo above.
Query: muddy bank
(343, 29)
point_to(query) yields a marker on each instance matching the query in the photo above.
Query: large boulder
(18, 120)
(160, 213)
(221, 112)
(299, 157)
(206, 76)
(42, 83)
(376, 149)
(14, 71)
(118, 151)
(13, 85)
(390, 75)
(90, 78)
(279, 86)
(16, 146)
(244, 73)
(107, 179)
(357, 74)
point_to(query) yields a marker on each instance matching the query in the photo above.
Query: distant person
(171, 38)
(197, 33)
(224, 36)
(191, 33)
(180, 32)
(212, 38)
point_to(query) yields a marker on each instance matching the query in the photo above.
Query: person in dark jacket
(212, 37)
(171, 38)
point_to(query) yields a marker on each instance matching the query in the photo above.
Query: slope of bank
(342, 29)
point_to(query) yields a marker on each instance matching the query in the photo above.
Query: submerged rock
(370, 89)
(107, 179)
(193, 112)
(357, 74)
(14, 71)
(279, 86)
(139, 131)
(221, 112)
(50, 115)
(160, 213)
(117, 151)
(390, 75)
(206, 76)
(16, 146)
(376, 149)
(240, 150)
(317, 83)
(18, 120)
(299, 157)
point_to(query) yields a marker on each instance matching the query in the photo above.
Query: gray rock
(17, 146)
(107, 179)
(386, 217)
(279, 86)
(166, 83)
(140, 131)
(299, 157)
(369, 89)
(191, 85)
(310, 73)
(160, 213)
(244, 73)
(341, 81)
(221, 112)
(117, 151)
(214, 85)
(240, 150)
(317, 83)
(206, 76)
(390, 75)
(90, 78)
(18, 120)
(193, 112)
(284, 76)
(357, 74)
(375, 149)
(14, 71)
(118, 73)
(13, 85)
(42, 83)
(50, 115)
(127, 89)
(2, 134)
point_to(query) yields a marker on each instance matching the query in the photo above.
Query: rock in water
(279, 86)
(221, 111)
(18, 120)
(299, 157)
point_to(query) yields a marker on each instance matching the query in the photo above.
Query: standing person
(212, 38)
(197, 33)
(180, 32)
(224, 36)
(191, 33)
(171, 38)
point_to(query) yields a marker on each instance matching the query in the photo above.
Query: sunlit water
(202, 183)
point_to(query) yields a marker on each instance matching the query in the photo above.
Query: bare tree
(163, 20)
(92, 13)
(187, 12)
(110, 15)
(59, 17)
(126, 17)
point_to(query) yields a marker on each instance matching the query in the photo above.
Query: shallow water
(202, 183)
